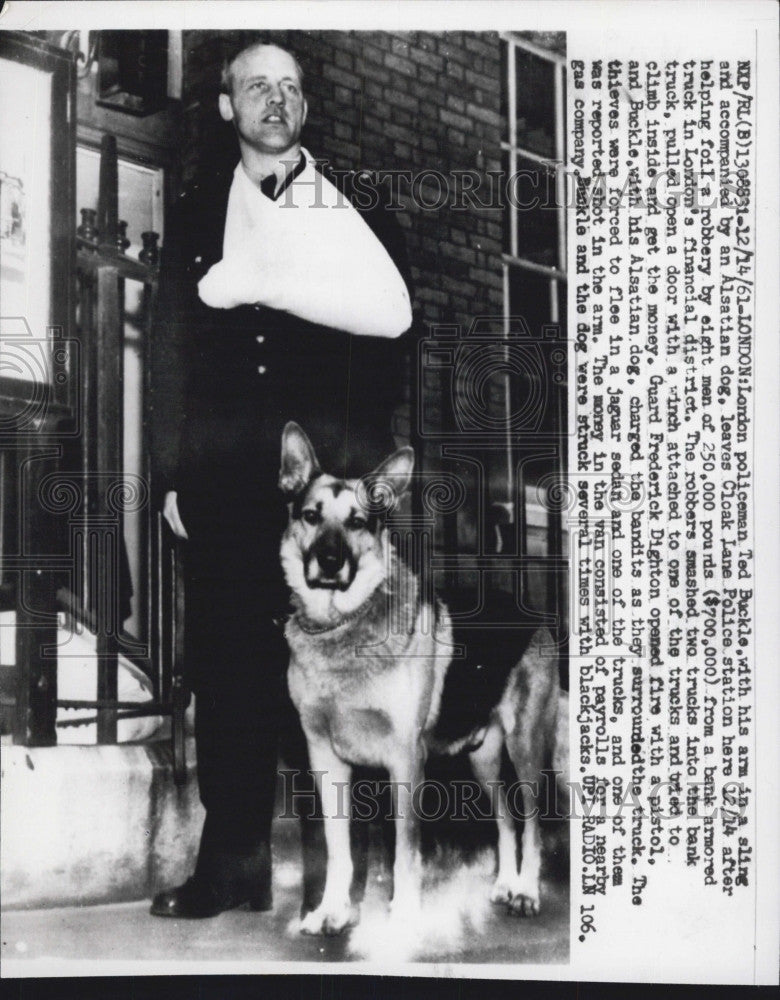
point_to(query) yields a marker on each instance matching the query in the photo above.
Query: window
(534, 286)
(534, 151)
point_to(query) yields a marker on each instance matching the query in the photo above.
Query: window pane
(529, 299)
(543, 347)
(531, 191)
(504, 92)
(510, 213)
(535, 96)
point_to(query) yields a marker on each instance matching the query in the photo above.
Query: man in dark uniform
(258, 324)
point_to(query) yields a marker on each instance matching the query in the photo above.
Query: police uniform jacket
(225, 381)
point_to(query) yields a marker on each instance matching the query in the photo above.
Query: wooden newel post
(110, 466)
(108, 195)
(110, 458)
(36, 616)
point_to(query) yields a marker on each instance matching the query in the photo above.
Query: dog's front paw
(501, 891)
(405, 907)
(520, 900)
(523, 905)
(330, 920)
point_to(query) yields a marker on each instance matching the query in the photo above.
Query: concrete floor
(457, 925)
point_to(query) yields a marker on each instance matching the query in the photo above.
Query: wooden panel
(107, 534)
(36, 617)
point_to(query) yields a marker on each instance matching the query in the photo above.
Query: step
(94, 824)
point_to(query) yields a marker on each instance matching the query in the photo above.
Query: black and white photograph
(388, 491)
(292, 685)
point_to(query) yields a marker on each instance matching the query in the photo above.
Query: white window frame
(513, 259)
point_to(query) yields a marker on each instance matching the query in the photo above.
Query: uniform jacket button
(260, 338)
(261, 369)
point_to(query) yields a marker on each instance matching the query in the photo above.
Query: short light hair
(226, 77)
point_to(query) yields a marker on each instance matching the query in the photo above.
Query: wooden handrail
(92, 256)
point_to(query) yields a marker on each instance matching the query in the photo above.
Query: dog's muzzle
(329, 563)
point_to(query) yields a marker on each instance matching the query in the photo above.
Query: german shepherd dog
(373, 677)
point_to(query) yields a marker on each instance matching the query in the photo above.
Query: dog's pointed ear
(381, 489)
(397, 470)
(299, 462)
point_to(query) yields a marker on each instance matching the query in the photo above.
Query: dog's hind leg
(528, 714)
(335, 912)
(360, 833)
(525, 891)
(486, 764)
(359, 845)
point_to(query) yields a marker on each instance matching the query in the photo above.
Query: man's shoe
(198, 899)
(262, 900)
(194, 900)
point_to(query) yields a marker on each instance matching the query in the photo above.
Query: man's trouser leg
(235, 660)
